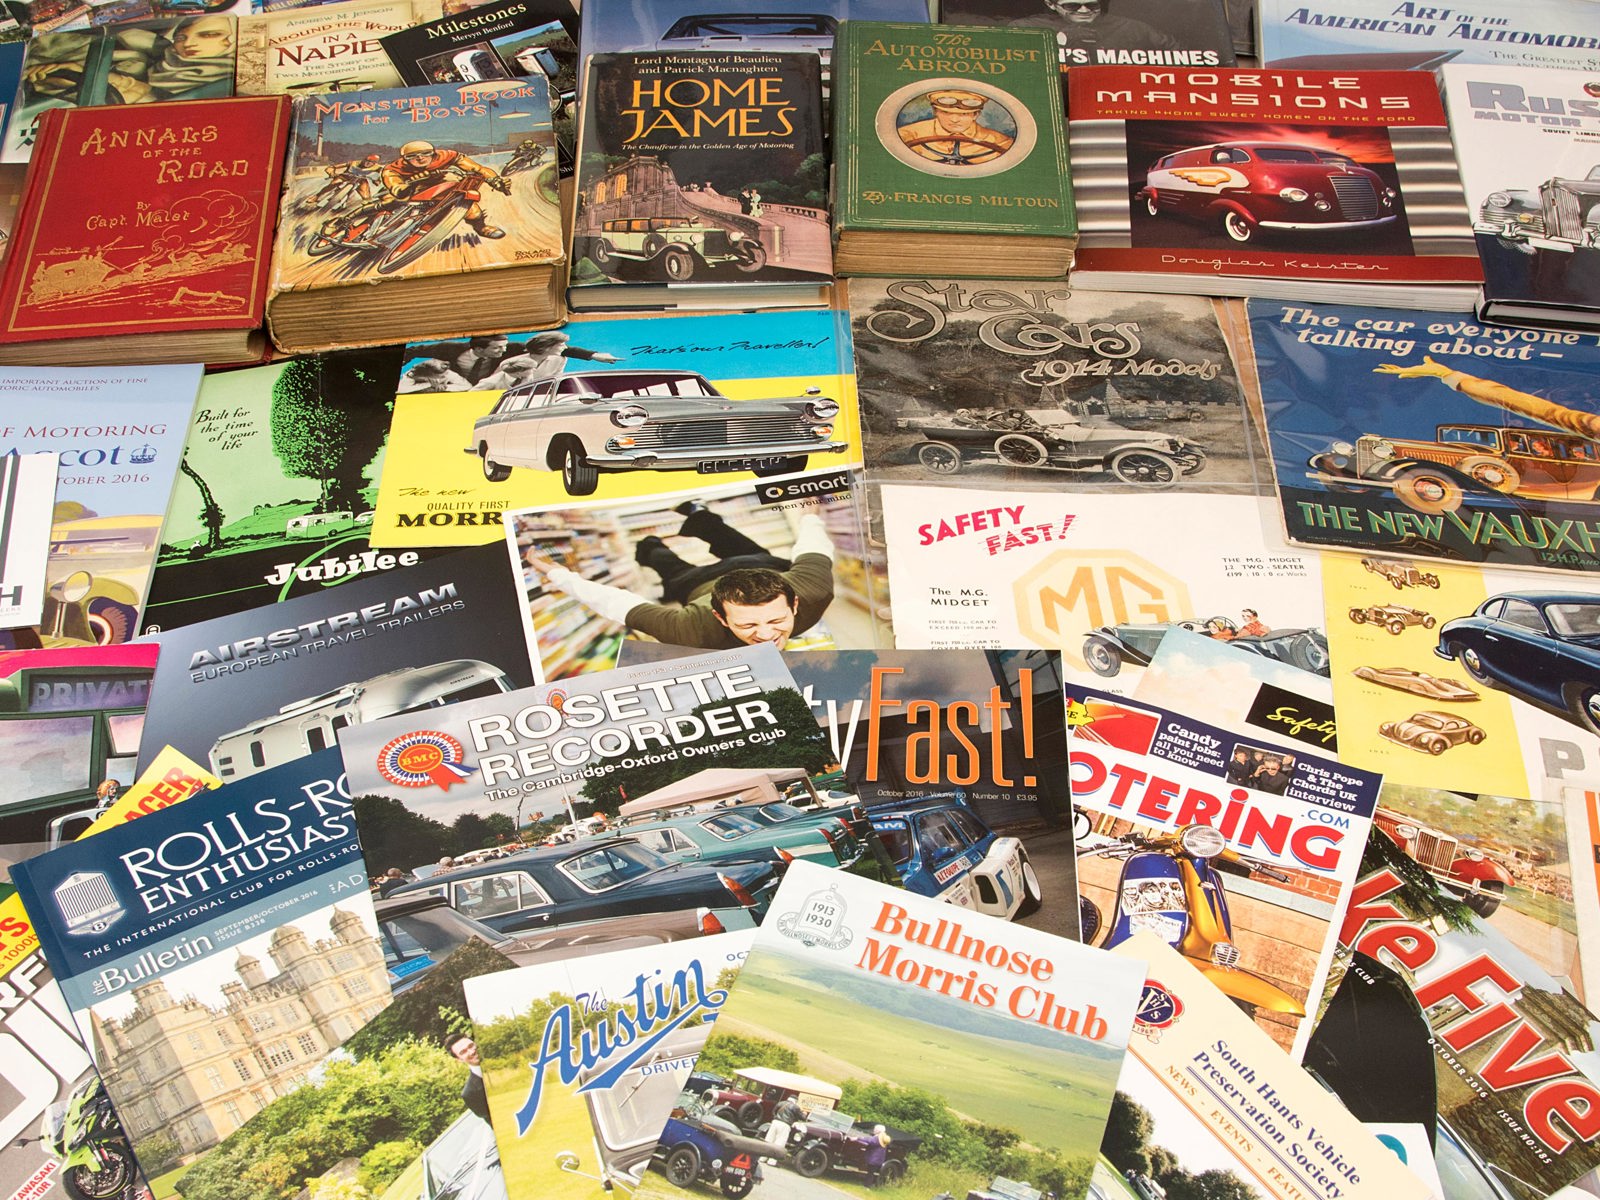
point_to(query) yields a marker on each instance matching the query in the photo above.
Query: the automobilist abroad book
(1169, 798)
(583, 1059)
(904, 1042)
(213, 952)
(1205, 1098)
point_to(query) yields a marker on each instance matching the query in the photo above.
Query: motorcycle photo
(1169, 885)
(85, 1136)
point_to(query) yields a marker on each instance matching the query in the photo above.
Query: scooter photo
(1170, 886)
(84, 1134)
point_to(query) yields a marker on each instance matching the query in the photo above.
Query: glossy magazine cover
(223, 947)
(1429, 435)
(618, 409)
(265, 686)
(1168, 800)
(879, 1039)
(582, 1060)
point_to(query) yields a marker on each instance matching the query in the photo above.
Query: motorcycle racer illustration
(419, 169)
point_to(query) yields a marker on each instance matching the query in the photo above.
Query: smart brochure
(583, 1059)
(1168, 798)
(874, 1037)
(223, 946)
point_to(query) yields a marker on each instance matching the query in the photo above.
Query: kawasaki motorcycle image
(1170, 886)
(83, 1133)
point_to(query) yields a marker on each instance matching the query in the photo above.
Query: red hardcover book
(144, 234)
(1296, 185)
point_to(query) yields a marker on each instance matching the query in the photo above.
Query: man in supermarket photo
(746, 597)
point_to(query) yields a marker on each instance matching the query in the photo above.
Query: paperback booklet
(117, 435)
(1168, 798)
(780, 562)
(636, 741)
(1214, 1103)
(27, 513)
(71, 722)
(600, 1044)
(324, 48)
(1429, 435)
(1100, 578)
(1538, 33)
(220, 948)
(1151, 33)
(1032, 385)
(171, 266)
(1535, 220)
(702, 182)
(939, 171)
(1313, 185)
(277, 486)
(137, 62)
(896, 1041)
(416, 212)
(619, 409)
(263, 687)
(1477, 1042)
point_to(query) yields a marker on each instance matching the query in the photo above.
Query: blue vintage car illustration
(1541, 646)
(557, 885)
(942, 848)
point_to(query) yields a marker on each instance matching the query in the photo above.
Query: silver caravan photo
(309, 725)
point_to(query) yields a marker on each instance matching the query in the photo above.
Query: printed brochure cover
(1580, 806)
(1475, 1040)
(45, 1070)
(622, 409)
(117, 433)
(1428, 434)
(403, 1093)
(1530, 197)
(1001, 383)
(780, 562)
(614, 759)
(1538, 33)
(1169, 799)
(1207, 1101)
(214, 951)
(878, 1038)
(1101, 578)
(27, 512)
(582, 1060)
(1446, 669)
(72, 723)
(278, 480)
(610, 25)
(250, 691)
(324, 48)
(1276, 699)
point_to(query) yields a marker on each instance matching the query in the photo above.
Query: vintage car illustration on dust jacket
(1428, 435)
(1030, 385)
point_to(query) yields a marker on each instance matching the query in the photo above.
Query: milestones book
(168, 266)
(949, 152)
(213, 952)
(414, 213)
(1529, 143)
(702, 182)
(1432, 436)
(1305, 185)
(920, 1047)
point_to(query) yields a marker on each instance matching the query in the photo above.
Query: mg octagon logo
(1068, 593)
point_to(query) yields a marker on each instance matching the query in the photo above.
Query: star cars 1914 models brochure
(1168, 800)
(213, 952)
(879, 1038)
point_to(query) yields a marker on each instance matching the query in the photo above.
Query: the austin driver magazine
(896, 1041)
